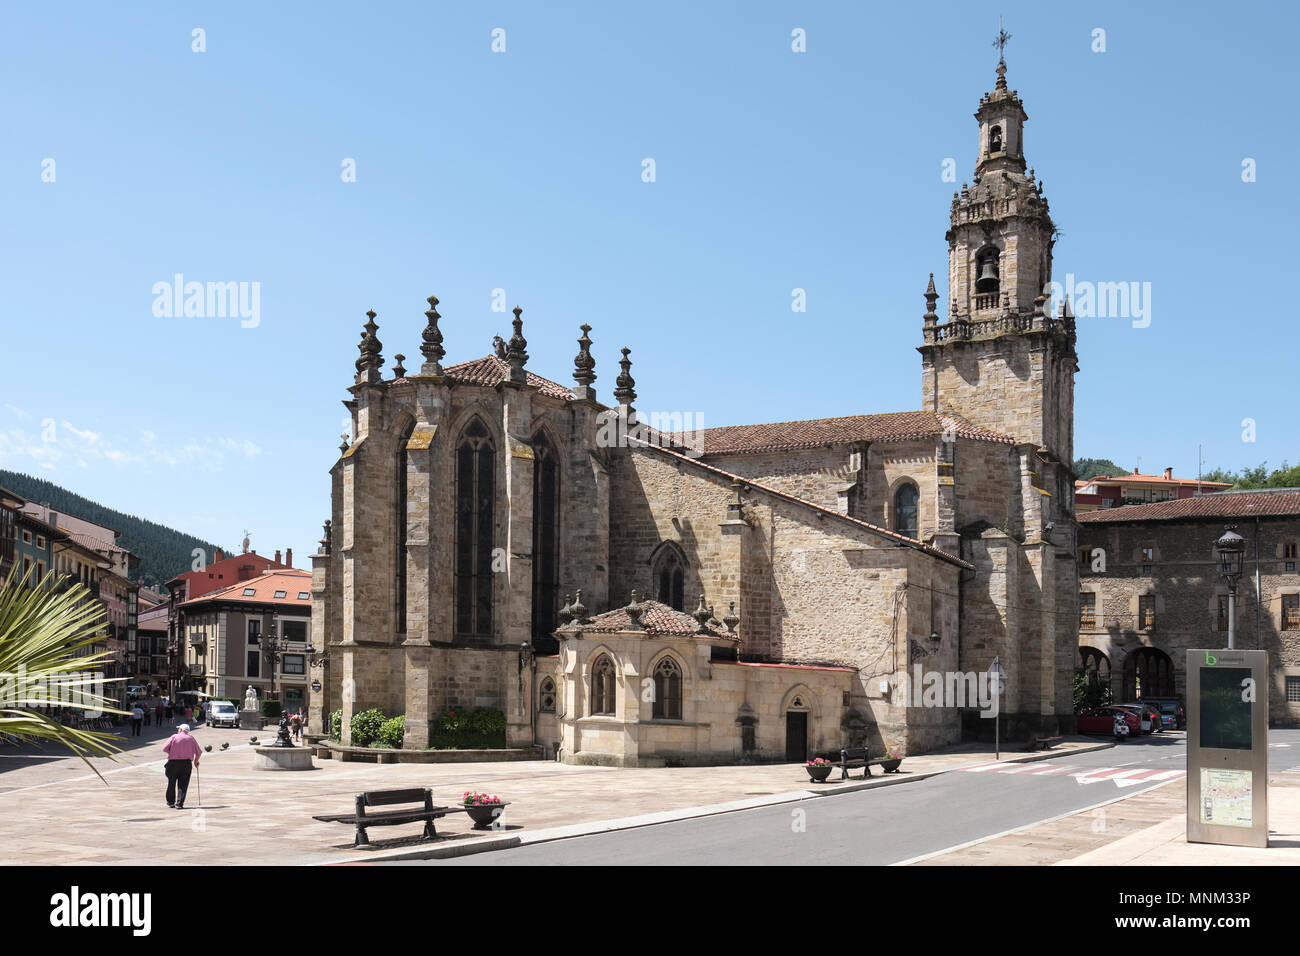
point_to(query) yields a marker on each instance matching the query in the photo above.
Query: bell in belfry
(988, 277)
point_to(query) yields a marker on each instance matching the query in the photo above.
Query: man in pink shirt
(180, 749)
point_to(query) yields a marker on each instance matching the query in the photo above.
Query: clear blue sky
(522, 170)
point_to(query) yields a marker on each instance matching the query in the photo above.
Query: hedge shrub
(271, 709)
(469, 728)
(365, 727)
(336, 725)
(392, 731)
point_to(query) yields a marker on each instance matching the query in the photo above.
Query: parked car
(222, 713)
(1152, 722)
(1171, 709)
(1101, 720)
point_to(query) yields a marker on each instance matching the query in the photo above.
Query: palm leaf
(42, 629)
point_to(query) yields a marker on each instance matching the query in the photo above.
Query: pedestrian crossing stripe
(1121, 776)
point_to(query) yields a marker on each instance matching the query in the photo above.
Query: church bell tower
(1000, 360)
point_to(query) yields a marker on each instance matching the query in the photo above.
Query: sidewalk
(54, 811)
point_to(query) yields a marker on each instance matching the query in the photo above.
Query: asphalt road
(889, 824)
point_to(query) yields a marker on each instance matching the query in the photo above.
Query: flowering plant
(479, 799)
(818, 762)
(890, 755)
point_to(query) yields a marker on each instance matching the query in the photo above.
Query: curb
(551, 834)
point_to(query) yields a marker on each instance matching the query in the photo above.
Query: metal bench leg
(430, 831)
(360, 838)
(867, 771)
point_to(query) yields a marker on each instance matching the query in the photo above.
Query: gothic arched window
(670, 578)
(400, 535)
(602, 686)
(668, 690)
(546, 697)
(475, 497)
(905, 502)
(546, 543)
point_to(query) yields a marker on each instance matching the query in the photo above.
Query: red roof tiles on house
(786, 436)
(292, 581)
(1265, 503)
(1158, 479)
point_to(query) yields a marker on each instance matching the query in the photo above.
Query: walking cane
(198, 779)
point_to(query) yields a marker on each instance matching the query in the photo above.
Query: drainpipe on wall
(1259, 594)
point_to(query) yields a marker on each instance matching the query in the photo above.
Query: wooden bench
(1041, 743)
(851, 758)
(426, 812)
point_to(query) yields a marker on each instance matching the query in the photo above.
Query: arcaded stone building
(1150, 590)
(747, 592)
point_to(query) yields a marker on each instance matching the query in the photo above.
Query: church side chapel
(769, 595)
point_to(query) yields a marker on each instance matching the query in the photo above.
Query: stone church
(633, 596)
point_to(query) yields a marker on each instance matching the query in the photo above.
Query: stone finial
(565, 614)
(499, 347)
(515, 354)
(735, 507)
(431, 348)
(398, 370)
(1001, 84)
(371, 359)
(702, 615)
(731, 620)
(347, 442)
(584, 361)
(327, 542)
(634, 611)
(626, 390)
(931, 299)
(579, 610)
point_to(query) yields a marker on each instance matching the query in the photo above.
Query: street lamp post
(1231, 549)
(273, 647)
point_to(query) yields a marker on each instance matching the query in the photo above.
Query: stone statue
(250, 698)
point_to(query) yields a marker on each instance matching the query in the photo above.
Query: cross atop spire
(1000, 43)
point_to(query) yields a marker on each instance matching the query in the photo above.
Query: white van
(222, 713)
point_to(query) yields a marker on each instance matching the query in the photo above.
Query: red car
(1102, 721)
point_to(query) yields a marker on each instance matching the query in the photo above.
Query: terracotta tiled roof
(292, 581)
(490, 370)
(94, 544)
(656, 619)
(786, 436)
(1267, 503)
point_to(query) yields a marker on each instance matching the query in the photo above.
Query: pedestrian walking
(183, 751)
(295, 726)
(171, 709)
(137, 717)
(158, 713)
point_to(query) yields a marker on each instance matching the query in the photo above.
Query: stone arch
(905, 485)
(1149, 672)
(669, 700)
(799, 697)
(1095, 666)
(476, 517)
(668, 567)
(601, 679)
(547, 696)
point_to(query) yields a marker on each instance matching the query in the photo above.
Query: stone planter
(819, 773)
(891, 766)
(484, 814)
(282, 758)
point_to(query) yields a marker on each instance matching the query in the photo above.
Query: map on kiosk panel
(1225, 797)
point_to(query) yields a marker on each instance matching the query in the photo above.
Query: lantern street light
(273, 648)
(1231, 549)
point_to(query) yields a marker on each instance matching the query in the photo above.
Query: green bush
(336, 725)
(483, 721)
(392, 731)
(271, 709)
(365, 727)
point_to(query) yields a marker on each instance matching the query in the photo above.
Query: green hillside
(163, 552)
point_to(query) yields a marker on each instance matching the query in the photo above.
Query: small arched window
(668, 690)
(995, 140)
(546, 697)
(602, 686)
(670, 578)
(905, 502)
